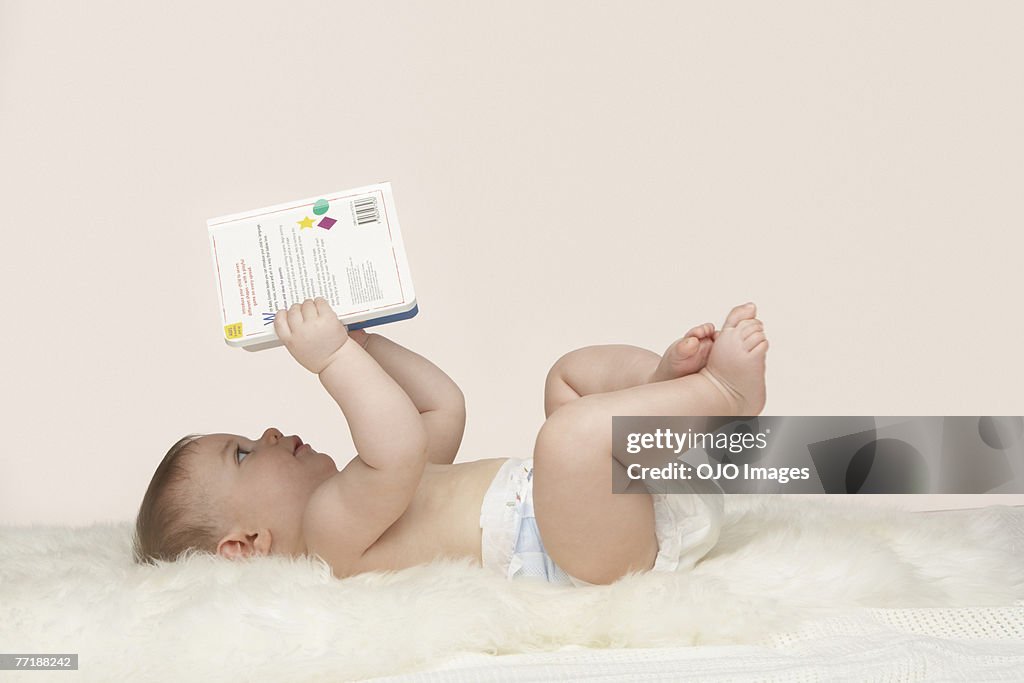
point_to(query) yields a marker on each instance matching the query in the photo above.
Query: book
(344, 246)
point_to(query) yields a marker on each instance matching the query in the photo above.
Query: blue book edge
(385, 319)
(354, 326)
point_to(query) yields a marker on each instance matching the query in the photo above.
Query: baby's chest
(426, 530)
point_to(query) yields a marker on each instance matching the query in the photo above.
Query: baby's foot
(741, 312)
(736, 363)
(687, 355)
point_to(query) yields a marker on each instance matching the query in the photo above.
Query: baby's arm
(439, 400)
(350, 511)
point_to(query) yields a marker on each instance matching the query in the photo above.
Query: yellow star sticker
(306, 222)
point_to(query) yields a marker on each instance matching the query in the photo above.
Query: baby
(401, 502)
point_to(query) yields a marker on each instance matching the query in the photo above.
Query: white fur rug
(779, 563)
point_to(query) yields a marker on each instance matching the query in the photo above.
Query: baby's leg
(592, 533)
(596, 369)
(611, 367)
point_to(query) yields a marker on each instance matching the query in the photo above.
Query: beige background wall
(566, 173)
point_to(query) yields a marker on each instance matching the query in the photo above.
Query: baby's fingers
(323, 308)
(309, 312)
(294, 317)
(359, 335)
(281, 328)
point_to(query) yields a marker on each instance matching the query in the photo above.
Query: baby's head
(227, 495)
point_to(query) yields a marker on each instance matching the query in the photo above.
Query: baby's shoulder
(348, 512)
(333, 528)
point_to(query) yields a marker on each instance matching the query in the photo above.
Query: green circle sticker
(320, 208)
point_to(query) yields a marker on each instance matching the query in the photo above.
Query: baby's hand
(311, 332)
(360, 336)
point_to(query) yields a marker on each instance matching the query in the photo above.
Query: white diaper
(686, 525)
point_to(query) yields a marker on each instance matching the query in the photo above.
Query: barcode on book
(366, 210)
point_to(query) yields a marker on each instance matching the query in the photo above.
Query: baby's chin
(328, 461)
(308, 455)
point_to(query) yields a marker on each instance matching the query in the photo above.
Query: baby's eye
(239, 451)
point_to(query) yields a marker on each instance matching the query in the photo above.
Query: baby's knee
(571, 428)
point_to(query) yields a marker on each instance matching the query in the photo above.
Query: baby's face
(262, 484)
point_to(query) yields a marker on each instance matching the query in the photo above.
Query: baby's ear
(229, 548)
(238, 545)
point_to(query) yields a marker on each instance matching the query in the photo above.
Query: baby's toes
(748, 332)
(698, 332)
(748, 327)
(685, 347)
(740, 313)
(751, 342)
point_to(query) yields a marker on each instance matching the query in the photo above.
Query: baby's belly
(443, 519)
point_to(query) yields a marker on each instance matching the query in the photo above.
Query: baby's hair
(171, 523)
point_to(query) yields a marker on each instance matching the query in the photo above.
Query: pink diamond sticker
(327, 222)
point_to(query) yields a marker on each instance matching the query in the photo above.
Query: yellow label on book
(233, 331)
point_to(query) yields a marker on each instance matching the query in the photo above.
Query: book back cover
(345, 246)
